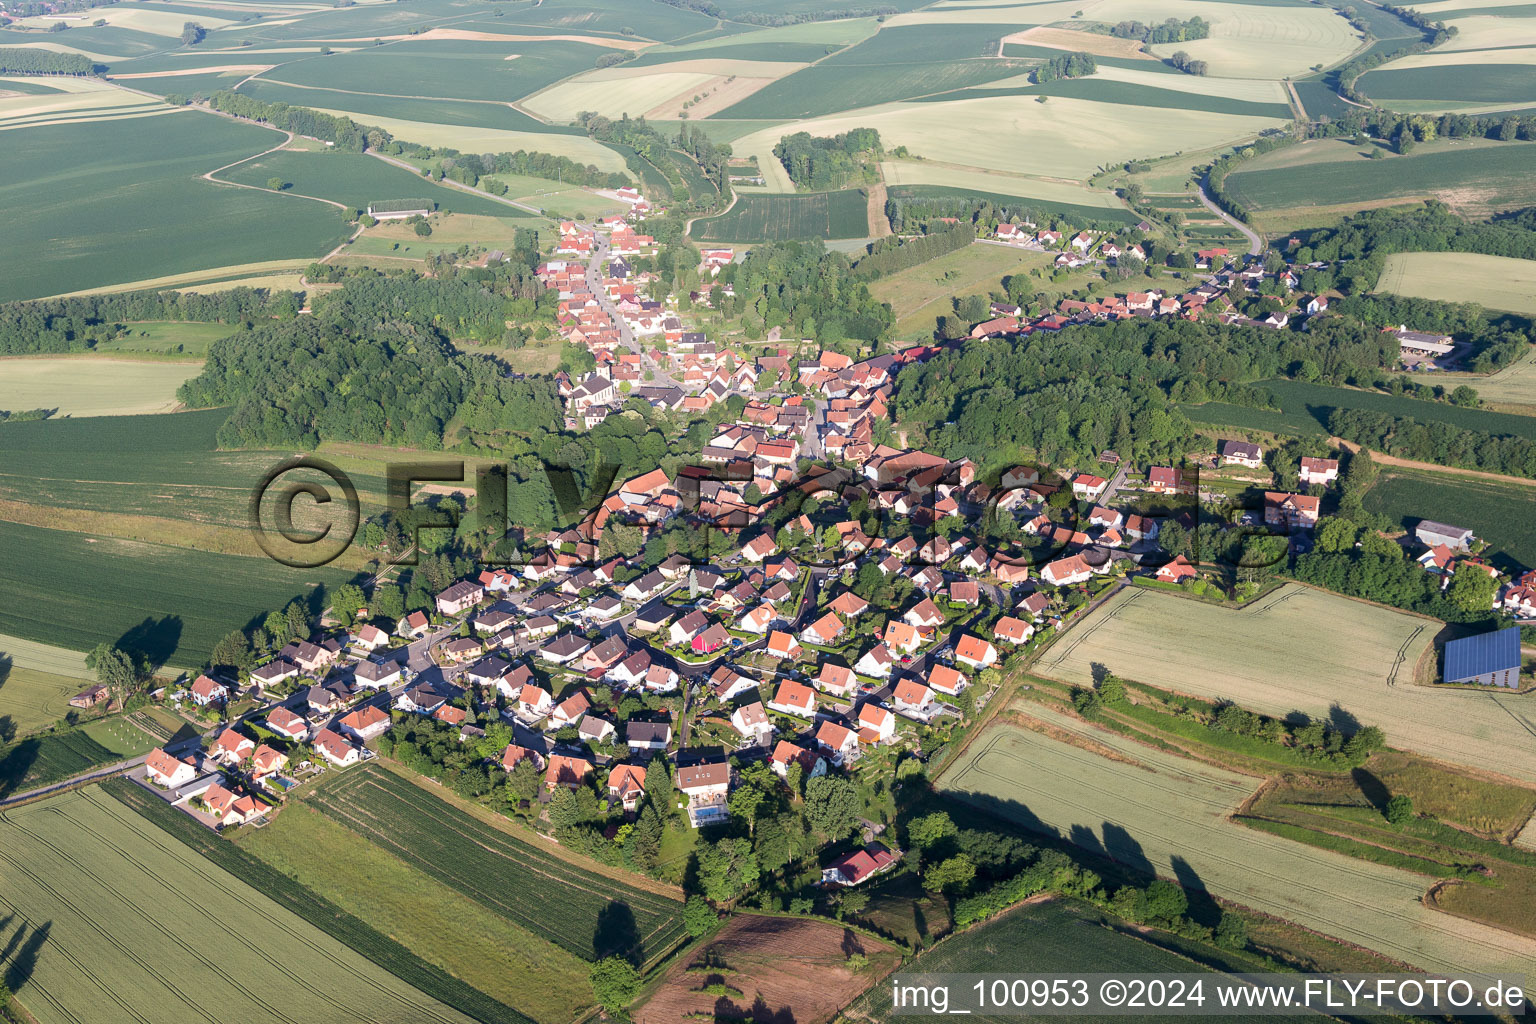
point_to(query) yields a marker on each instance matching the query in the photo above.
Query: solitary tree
(192, 33)
(614, 982)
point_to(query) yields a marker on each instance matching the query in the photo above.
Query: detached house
(1293, 511)
(786, 753)
(209, 691)
(838, 740)
(626, 785)
(231, 747)
(837, 680)
(783, 646)
(876, 724)
(335, 749)
(164, 770)
(459, 598)
(975, 652)
(912, 697)
(858, 866)
(751, 720)
(824, 630)
(707, 787)
(792, 698)
(876, 662)
(1066, 572)
(1242, 453)
(1319, 471)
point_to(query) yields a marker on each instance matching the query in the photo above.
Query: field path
(879, 224)
(688, 224)
(1383, 459)
(1170, 815)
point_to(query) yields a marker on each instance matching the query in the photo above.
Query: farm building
(1489, 659)
(1429, 533)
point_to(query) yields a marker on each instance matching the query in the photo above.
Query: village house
(840, 742)
(206, 691)
(707, 787)
(786, 753)
(413, 626)
(534, 702)
(876, 663)
(1242, 453)
(838, 680)
(1087, 487)
(1293, 511)
(751, 720)
(1066, 572)
(876, 724)
(364, 724)
(1318, 471)
(902, 637)
(912, 698)
(946, 680)
(975, 652)
(377, 675)
(164, 770)
(335, 749)
(568, 711)
(648, 735)
(626, 786)
(794, 698)
(1012, 630)
(859, 866)
(783, 646)
(232, 747)
(565, 770)
(287, 724)
(459, 598)
(1176, 571)
(823, 631)
(514, 754)
(266, 762)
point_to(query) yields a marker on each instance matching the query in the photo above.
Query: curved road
(1255, 243)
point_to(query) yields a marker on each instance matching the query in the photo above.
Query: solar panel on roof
(1486, 652)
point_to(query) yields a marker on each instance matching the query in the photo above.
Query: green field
(1080, 213)
(920, 295)
(1267, 658)
(1496, 282)
(355, 180)
(1481, 81)
(53, 757)
(92, 385)
(759, 218)
(1055, 935)
(364, 105)
(1500, 513)
(444, 69)
(172, 603)
(139, 209)
(108, 918)
(1476, 177)
(1156, 811)
(511, 878)
(189, 340)
(30, 698)
(435, 922)
(1247, 418)
(1298, 398)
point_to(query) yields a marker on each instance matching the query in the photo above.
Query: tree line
(1170, 31)
(909, 212)
(1431, 34)
(889, 255)
(1436, 441)
(80, 323)
(345, 133)
(16, 60)
(471, 168)
(825, 162)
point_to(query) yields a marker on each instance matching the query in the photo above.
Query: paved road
(1255, 243)
(600, 253)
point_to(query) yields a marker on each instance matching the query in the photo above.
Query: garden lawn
(1158, 812)
(1301, 650)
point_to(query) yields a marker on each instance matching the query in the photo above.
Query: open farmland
(434, 921)
(114, 921)
(36, 761)
(91, 386)
(1330, 178)
(1048, 935)
(913, 173)
(473, 139)
(758, 218)
(1268, 658)
(1158, 812)
(1514, 385)
(797, 968)
(1497, 511)
(138, 208)
(1299, 398)
(30, 698)
(171, 603)
(355, 180)
(511, 877)
(1497, 282)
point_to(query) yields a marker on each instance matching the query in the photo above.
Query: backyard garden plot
(1496, 511)
(1475, 177)
(1299, 649)
(520, 882)
(110, 919)
(1158, 812)
(757, 218)
(1053, 935)
(91, 386)
(1497, 282)
(140, 209)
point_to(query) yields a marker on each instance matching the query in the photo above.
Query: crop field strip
(759, 218)
(1168, 813)
(1268, 658)
(37, 761)
(31, 699)
(317, 911)
(1299, 398)
(493, 868)
(112, 947)
(1498, 512)
(1494, 282)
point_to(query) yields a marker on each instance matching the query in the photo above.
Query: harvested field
(796, 968)
(124, 925)
(250, 69)
(1268, 658)
(1169, 815)
(1080, 42)
(759, 218)
(1053, 190)
(716, 94)
(1515, 385)
(96, 386)
(471, 139)
(1497, 282)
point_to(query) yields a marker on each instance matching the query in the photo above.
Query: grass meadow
(89, 385)
(139, 209)
(759, 218)
(110, 918)
(1302, 650)
(355, 180)
(1161, 812)
(508, 876)
(1497, 282)
(1496, 511)
(433, 920)
(1514, 386)
(1298, 398)
(166, 338)
(920, 295)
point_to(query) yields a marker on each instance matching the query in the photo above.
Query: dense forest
(1068, 65)
(18, 60)
(890, 254)
(831, 162)
(808, 291)
(653, 148)
(1067, 396)
(80, 323)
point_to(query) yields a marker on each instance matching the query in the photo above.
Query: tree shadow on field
(153, 640)
(851, 942)
(1372, 788)
(1342, 721)
(1099, 671)
(1122, 848)
(23, 961)
(1203, 909)
(617, 934)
